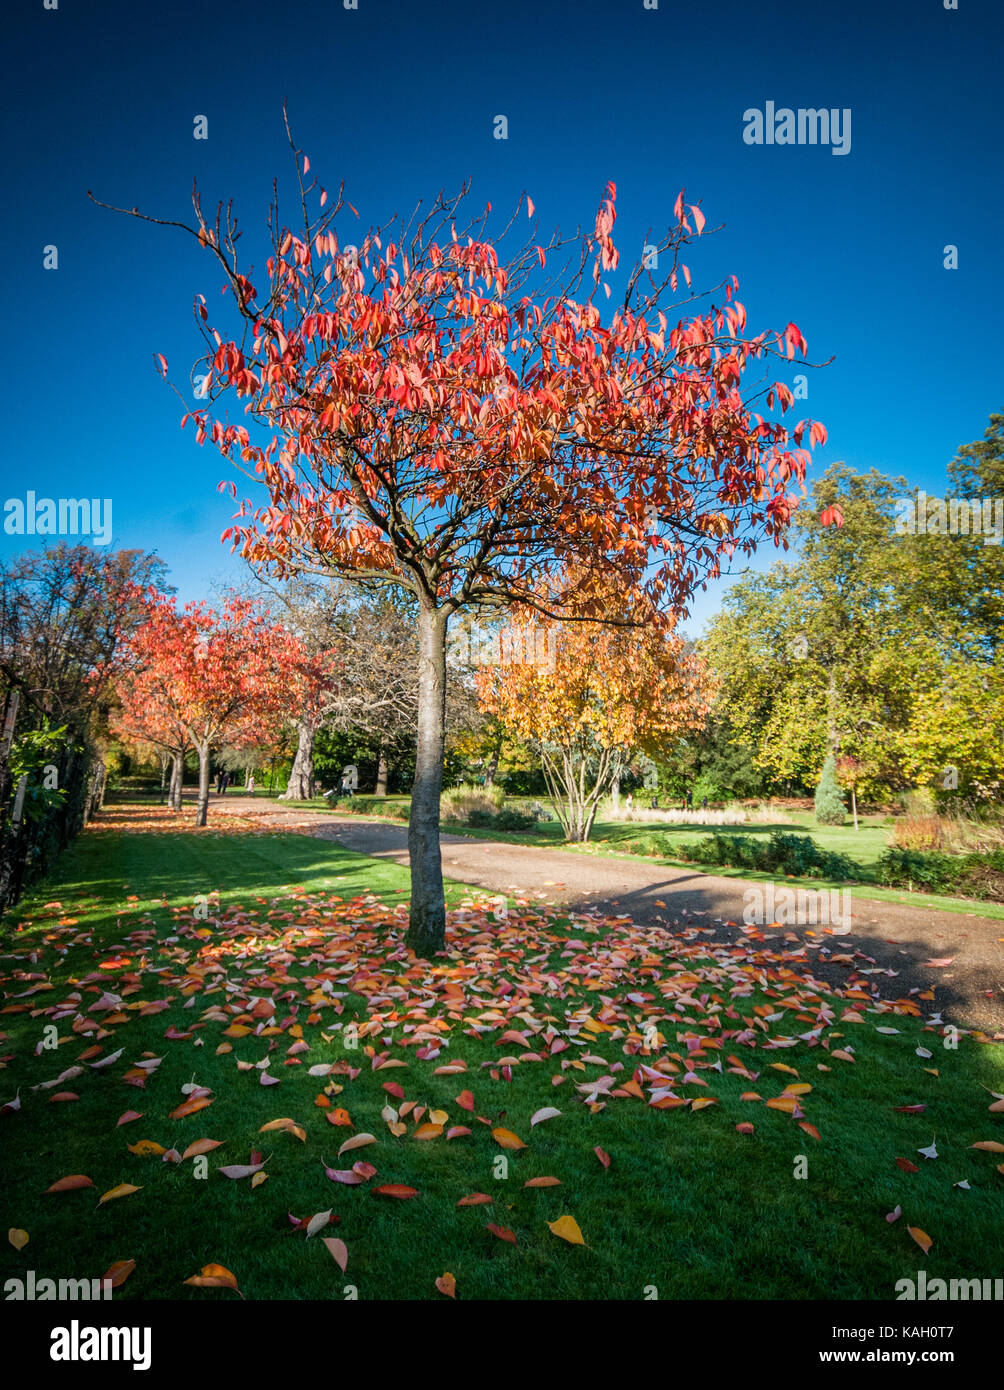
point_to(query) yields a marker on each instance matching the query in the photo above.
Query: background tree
(612, 693)
(63, 614)
(450, 417)
(220, 677)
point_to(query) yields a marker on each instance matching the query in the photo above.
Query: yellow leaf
(145, 1147)
(17, 1238)
(124, 1189)
(507, 1140)
(921, 1237)
(568, 1229)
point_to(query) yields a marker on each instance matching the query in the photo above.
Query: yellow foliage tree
(605, 694)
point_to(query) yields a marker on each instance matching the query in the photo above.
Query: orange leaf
(70, 1183)
(447, 1284)
(507, 1140)
(119, 1272)
(503, 1232)
(191, 1107)
(923, 1240)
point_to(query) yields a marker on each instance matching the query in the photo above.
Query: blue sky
(399, 100)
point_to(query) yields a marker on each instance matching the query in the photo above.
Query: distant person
(350, 780)
(219, 782)
(251, 784)
(655, 803)
(689, 803)
(629, 802)
(704, 804)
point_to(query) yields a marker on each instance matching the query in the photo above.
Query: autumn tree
(210, 677)
(64, 612)
(453, 410)
(356, 671)
(608, 694)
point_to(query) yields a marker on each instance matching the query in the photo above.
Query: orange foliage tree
(445, 407)
(200, 678)
(604, 694)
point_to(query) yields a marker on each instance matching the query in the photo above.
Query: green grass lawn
(687, 1204)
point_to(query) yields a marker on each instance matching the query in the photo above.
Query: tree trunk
(300, 786)
(177, 773)
(427, 919)
(615, 790)
(854, 806)
(165, 762)
(202, 810)
(382, 773)
(493, 765)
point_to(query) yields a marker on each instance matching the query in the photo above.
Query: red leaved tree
(199, 678)
(452, 413)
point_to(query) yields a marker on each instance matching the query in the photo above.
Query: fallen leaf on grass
(989, 1145)
(318, 1222)
(143, 1148)
(395, 1189)
(921, 1237)
(541, 1182)
(191, 1107)
(357, 1141)
(200, 1146)
(503, 1232)
(538, 1118)
(214, 1277)
(71, 1183)
(287, 1125)
(602, 1155)
(339, 1251)
(477, 1199)
(507, 1140)
(447, 1285)
(18, 1238)
(128, 1117)
(895, 1214)
(568, 1229)
(124, 1189)
(118, 1273)
(907, 1166)
(236, 1171)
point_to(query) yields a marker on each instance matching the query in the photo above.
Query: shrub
(829, 803)
(458, 803)
(509, 818)
(796, 856)
(930, 871)
(918, 832)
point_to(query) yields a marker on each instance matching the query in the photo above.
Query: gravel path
(895, 942)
